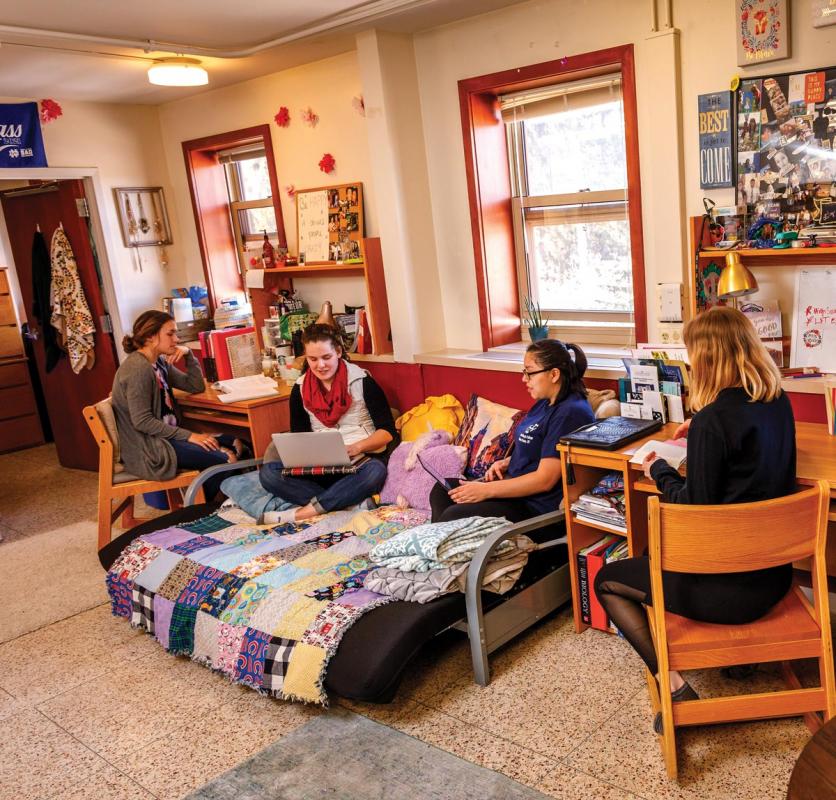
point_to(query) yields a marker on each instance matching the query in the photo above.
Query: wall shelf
(310, 270)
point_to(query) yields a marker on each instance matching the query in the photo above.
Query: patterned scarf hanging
(71, 315)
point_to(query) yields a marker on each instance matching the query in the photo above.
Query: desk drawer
(7, 310)
(21, 432)
(10, 342)
(17, 402)
(14, 375)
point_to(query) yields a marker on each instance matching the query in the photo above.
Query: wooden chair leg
(128, 520)
(668, 737)
(175, 499)
(104, 521)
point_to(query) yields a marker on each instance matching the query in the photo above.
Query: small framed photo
(142, 216)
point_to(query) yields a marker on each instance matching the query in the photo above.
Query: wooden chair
(734, 538)
(114, 482)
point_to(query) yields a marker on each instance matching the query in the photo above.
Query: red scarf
(328, 407)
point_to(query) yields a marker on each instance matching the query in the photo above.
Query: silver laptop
(320, 449)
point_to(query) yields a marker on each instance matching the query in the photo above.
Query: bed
(352, 644)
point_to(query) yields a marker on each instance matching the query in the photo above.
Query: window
(568, 175)
(552, 164)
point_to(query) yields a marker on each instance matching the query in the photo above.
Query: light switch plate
(670, 302)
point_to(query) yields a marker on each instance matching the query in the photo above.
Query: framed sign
(716, 165)
(142, 216)
(824, 12)
(763, 31)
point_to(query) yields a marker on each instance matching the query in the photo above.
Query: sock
(278, 517)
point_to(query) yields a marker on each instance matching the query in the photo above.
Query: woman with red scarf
(333, 393)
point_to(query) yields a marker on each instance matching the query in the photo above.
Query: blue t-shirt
(537, 437)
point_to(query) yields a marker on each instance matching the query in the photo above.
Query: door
(65, 393)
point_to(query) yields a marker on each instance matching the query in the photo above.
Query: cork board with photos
(329, 224)
(786, 146)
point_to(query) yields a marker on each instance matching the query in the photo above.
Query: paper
(243, 355)
(632, 410)
(653, 401)
(247, 388)
(644, 377)
(673, 451)
(312, 225)
(255, 279)
(675, 411)
(181, 308)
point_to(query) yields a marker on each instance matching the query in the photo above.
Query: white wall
(542, 31)
(327, 87)
(122, 143)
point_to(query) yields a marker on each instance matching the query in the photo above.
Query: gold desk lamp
(735, 279)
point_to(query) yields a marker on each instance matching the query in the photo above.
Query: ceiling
(35, 65)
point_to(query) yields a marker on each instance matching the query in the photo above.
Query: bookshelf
(589, 466)
(751, 257)
(371, 269)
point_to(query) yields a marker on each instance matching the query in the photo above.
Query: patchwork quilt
(266, 606)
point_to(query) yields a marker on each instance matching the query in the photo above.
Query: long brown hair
(319, 332)
(725, 351)
(146, 326)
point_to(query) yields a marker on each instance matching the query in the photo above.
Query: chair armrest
(475, 574)
(219, 469)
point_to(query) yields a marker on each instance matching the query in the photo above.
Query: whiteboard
(312, 216)
(814, 319)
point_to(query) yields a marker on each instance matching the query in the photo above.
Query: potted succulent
(537, 324)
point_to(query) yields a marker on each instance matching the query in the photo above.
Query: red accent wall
(406, 385)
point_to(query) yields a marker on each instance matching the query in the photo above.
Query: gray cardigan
(143, 435)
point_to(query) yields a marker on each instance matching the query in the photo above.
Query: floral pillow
(487, 431)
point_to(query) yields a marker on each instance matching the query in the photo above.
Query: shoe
(369, 504)
(683, 693)
(739, 672)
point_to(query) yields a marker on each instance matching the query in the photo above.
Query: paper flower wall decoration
(290, 190)
(309, 117)
(253, 261)
(359, 105)
(327, 163)
(282, 117)
(50, 110)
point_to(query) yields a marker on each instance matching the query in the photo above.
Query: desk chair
(114, 482)
(735, 538)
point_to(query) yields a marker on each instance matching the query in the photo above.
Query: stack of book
(603, 505)
(590, 561)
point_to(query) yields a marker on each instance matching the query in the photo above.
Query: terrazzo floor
(93, 710)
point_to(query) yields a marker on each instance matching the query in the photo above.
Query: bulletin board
(814, 319)
(786, 146)
(329, 224)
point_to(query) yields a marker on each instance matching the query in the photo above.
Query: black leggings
(623, 587)
(444, 509)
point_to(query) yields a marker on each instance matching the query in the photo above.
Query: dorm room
(444, 187)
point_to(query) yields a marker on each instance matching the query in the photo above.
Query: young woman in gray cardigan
(153, 444)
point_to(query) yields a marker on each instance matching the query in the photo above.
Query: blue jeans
(193, 456)
(328, 492)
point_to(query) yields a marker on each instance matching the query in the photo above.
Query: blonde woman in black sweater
(741, 449)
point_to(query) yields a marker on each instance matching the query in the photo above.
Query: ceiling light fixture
(177, 72)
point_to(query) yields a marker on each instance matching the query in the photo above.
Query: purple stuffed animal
(408, 484)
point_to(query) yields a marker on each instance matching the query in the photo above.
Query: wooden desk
(816, 458)
(256, 420)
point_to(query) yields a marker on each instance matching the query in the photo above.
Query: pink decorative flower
(282, 117)
(253, 261)
(359, 105)
(50, 110)
(290, 190)
(309, 117)
(327, 163)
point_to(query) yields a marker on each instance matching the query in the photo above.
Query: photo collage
(786, 147)
(345, 223)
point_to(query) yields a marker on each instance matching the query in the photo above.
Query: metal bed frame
(486, 631)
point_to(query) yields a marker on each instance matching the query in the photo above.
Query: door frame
(103, 234)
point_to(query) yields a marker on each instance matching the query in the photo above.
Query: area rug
(66, 557)
(343, 756)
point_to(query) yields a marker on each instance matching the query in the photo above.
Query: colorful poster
(763, 31)
(715, 140)
(21, 144)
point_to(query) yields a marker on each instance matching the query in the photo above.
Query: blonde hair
(725, 351)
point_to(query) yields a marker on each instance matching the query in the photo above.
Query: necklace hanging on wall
(143, 221)
(129, 212)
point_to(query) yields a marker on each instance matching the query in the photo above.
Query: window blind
(548, 100)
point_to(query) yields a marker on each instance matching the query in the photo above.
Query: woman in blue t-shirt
(528, 482)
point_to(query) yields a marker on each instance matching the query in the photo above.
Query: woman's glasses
(527, 374)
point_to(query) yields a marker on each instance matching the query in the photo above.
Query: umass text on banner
(21, 144)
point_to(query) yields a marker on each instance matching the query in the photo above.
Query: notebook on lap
(612, 432)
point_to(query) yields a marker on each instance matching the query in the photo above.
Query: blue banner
(21, 144)
(716, 167)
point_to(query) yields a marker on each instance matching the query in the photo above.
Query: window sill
(604, 362)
